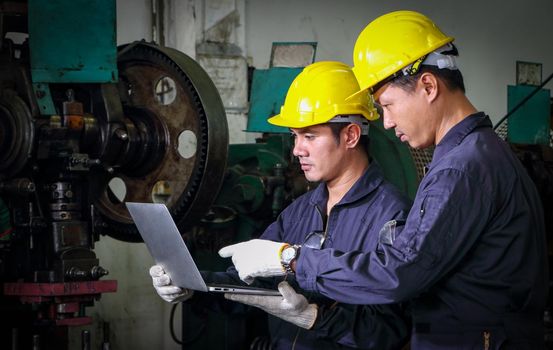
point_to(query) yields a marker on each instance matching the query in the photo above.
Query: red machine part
(63, 300)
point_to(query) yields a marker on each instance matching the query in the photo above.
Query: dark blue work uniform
(353, 224)
(472, 254)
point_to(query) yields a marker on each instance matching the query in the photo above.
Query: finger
(245, 277)
(234, 297)
(156, 271)
(162, 280)
(288, 293)
(173, 298)
(253, 300)
(235, 262)
(228, 251)
(168, 290)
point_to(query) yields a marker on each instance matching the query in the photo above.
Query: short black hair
(337, 128)
(453, 79)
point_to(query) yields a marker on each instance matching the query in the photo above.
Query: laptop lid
(165, 244)
(163, 239)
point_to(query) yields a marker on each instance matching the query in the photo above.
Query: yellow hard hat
(319, 94)
(392, 42)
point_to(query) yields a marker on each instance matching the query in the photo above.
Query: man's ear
(429, 86)
(352, 134)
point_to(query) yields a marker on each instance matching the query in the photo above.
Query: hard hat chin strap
(443, 58)
(440, 60)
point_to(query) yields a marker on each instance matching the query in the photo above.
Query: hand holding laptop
(176, 272)
(165, 289)
(289, 306)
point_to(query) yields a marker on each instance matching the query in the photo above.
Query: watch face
(288, 254)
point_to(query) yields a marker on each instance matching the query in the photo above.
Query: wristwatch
(288, 254)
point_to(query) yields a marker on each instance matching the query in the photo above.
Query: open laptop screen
(165, 244)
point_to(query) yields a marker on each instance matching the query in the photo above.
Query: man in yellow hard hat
(345, 212)
(472, 254)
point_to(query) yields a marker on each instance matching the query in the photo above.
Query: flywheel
(16, 133)
(180, 122)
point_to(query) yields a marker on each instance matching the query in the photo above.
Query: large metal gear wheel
(164, 90)
(16, 133)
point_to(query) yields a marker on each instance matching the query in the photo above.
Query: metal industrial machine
(81, 131)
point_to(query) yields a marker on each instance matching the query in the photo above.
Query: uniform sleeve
(450, 211)
(364, 326)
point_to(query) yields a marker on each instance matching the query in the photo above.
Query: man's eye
(309, 137)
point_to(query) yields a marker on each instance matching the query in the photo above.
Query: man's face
(318, 152)
(408, 114)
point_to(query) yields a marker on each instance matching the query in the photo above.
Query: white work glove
(164, 288)
(291, 307)
(255, 258)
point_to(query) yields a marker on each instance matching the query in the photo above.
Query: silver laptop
(164, 241)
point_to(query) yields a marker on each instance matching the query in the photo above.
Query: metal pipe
(15, 336)
(106, 344)
(85, 340)
(36, 342)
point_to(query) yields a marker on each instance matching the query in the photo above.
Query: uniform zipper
(486, 335)
(324, 219)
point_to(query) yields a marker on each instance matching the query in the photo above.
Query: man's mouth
(401, 136)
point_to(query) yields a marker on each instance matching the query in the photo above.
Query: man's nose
(299, 150)
(387, 122)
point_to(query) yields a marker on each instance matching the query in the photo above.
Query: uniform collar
(368, 182)
(457, 134)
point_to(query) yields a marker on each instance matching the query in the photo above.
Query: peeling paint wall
(220, 49)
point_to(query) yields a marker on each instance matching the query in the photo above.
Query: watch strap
(287, 265)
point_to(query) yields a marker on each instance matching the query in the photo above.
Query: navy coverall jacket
(472, 253)
(353, 224)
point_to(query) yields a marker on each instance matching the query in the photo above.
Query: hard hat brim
(286, 123)
(357, 94)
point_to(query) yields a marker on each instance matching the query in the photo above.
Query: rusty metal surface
(197, 108)
(16, 133)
